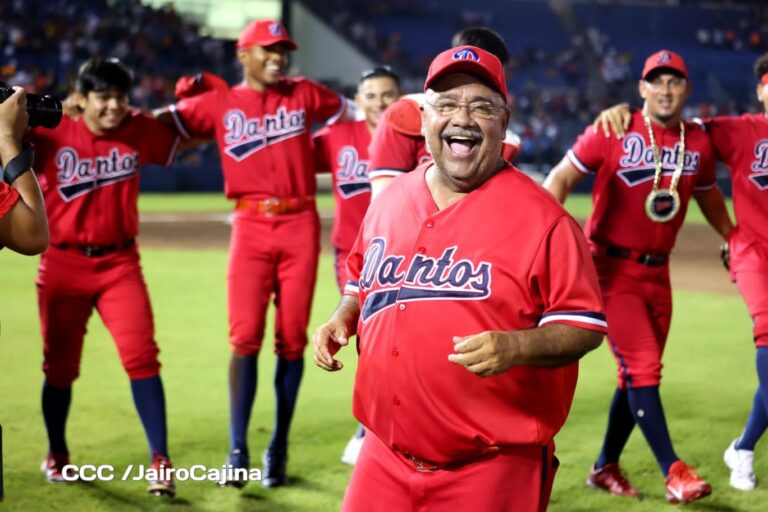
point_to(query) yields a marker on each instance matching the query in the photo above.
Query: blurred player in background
(89, 174)
(742, 144)
(342, 150)
(398, 143)
(641, 193)
(262, 129)
(23, 222)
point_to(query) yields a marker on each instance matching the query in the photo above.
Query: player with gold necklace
(662, 205)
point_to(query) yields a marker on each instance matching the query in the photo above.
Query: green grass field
(708, 386)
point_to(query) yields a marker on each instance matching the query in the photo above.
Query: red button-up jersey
(342, 149)
(742, 143)
(90, 182)
(623, 170)
(263, 137)
(504, 257)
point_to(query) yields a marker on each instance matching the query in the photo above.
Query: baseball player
(89, 173)
(641, 192)
(262, 128)
(23, 222)
(342, 149)
(742, 144)
(467, 357)
(398, 143)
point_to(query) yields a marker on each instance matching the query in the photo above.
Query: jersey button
(395, 352)
(396, 401)
(421, 250)
(430, 224)
(401, 307)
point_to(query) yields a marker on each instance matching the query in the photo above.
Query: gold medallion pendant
(662, 204)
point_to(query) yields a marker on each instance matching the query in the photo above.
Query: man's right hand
(327, 341)
(615, 119)
(192, 85)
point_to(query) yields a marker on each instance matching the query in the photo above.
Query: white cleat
(740, 463)
(352, 451)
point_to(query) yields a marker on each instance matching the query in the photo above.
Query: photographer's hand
(13, 124)
(24, 228)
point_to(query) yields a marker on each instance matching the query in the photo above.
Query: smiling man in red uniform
(741, 142)
(262, 129)
(467, 355)
(642, 187)
(89, 174)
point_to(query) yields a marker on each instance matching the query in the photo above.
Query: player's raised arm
(614, 120)
(24, 227)
(561, 180)
(335, 333)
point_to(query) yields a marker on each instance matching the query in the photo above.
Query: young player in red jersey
(342, 149)
(742, 144)
(467, 357)
(644, 181)
(89, 173)
(23, 222)
(398, 144)
(262, 129)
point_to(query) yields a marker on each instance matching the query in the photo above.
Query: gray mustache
(462, 133)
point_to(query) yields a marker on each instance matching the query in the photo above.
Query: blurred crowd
(553, 92)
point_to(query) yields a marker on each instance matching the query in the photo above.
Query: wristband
(18, 165)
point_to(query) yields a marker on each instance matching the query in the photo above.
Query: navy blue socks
(149, 398)
(645, 404)
(758, 417)
(242, 391)
(56, 402)
(287, 379)
(620, 425)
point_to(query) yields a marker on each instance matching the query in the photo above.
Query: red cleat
(684, 485)
(53, 466)
(609, 478)
(163, 484)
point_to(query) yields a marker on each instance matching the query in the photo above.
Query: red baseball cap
(665, 59)
(265, 33)
(473, 61)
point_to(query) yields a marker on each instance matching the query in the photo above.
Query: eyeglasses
(477, 109)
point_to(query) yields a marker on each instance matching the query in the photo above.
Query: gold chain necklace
(662, 205)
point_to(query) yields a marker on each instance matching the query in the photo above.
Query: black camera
(43, 110)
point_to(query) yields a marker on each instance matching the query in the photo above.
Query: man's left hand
(485, 354)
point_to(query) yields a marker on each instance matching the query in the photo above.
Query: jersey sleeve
(706, 178)
(391, 153)
(355, 266)
(194, 117)
(723, 135)
(565, 278)
(588, 153)
(320, 150)
(324, 104)
(8, 198)
(161, 143)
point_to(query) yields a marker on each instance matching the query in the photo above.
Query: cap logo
(275, 29)
(664, 57)
(466, 54)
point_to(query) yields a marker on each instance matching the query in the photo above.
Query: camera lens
(43, 110)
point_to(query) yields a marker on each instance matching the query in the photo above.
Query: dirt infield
(695, 262)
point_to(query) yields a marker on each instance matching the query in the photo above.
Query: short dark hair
(378, 72)
(761, 66)
(485, 38)
(100, 74)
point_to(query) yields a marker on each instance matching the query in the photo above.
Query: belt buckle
(90, 251)
(649, 260)
(271, 206)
